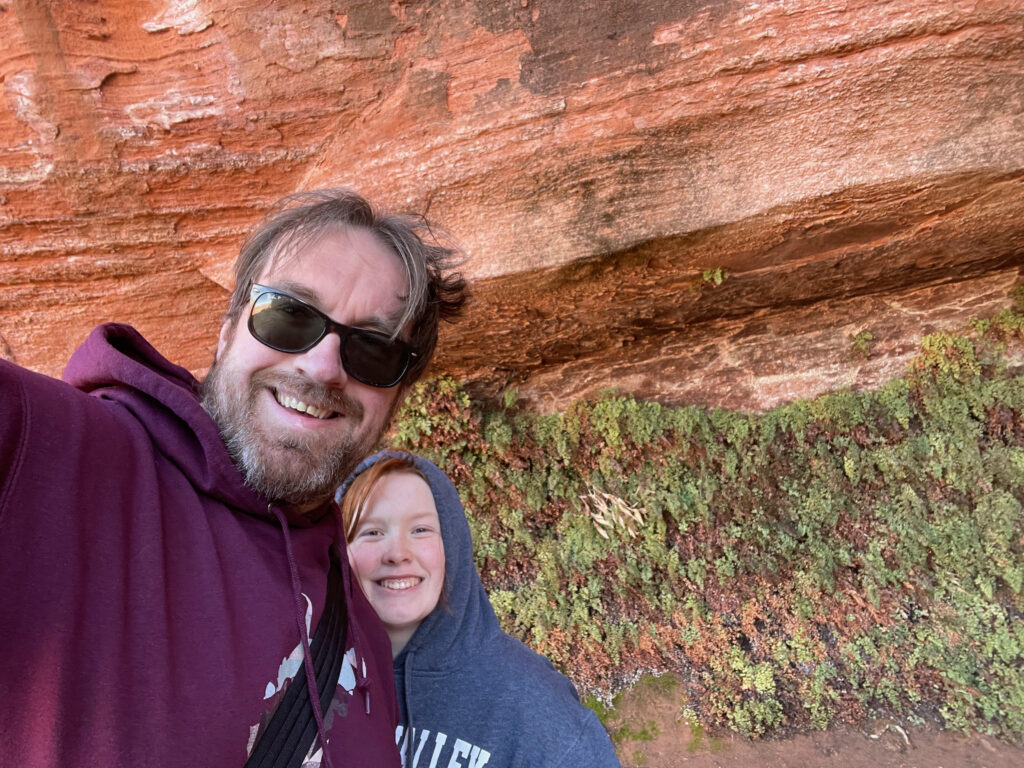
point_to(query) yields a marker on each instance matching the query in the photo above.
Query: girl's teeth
(399, 583)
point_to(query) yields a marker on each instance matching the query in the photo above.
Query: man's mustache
(311, 392)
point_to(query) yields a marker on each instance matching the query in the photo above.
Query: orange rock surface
(689, 201)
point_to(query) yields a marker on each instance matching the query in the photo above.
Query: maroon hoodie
(149, 611)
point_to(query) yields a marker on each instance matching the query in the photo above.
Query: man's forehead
(387, 316)
(360, 249)
(292, 246)
(284, 271)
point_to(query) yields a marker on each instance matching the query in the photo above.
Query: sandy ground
(880, 744)
(894, 747)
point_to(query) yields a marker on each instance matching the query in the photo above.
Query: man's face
(297, 424)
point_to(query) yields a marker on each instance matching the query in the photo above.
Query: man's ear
(227, 333)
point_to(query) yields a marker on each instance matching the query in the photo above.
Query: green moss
(860, 343)
(647, 731)
(1018, 301)
(699, 738)
(603, 711)
(658, 688)
(715, 276)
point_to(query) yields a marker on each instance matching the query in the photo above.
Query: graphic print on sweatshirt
(289, 667)
(433, 749)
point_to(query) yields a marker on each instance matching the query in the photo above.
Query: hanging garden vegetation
(833, 558)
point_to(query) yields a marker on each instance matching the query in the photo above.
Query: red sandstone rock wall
(848, 167)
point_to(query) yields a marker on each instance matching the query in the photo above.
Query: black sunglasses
(288, 324)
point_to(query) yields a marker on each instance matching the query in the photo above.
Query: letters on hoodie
(432, 750)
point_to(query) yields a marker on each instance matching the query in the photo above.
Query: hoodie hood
(116, 363)
(470, 694)
(466, 620)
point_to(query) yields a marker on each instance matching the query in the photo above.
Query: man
(167, 551)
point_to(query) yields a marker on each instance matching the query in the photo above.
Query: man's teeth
(298, 405)
(399, 583)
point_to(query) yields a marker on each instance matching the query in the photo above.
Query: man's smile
(293, 403)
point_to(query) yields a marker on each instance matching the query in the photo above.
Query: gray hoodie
(471, 695)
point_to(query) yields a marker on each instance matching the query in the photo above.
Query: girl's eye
(369, 533)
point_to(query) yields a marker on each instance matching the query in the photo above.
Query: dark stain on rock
(428, 94)
(573, 42)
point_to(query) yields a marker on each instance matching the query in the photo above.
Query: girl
(469, 694)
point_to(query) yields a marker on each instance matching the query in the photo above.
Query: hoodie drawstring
(363, 683)
(300, 619)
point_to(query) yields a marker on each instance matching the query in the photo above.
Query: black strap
(289, 734)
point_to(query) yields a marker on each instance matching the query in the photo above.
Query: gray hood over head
(470, 694)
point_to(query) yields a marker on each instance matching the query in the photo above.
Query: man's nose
(322, 363)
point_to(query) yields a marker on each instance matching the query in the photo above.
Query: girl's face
(397, 554)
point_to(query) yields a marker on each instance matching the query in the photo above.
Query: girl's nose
(398, 551)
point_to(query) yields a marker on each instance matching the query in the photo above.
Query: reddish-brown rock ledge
(690, 201)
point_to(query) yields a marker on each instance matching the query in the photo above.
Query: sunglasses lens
(373, 358)
(286, 324)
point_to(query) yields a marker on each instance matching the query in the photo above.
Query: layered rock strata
(696, 202)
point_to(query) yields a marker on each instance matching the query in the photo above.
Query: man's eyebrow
(299, 291)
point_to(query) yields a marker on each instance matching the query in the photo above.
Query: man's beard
(295, 470)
